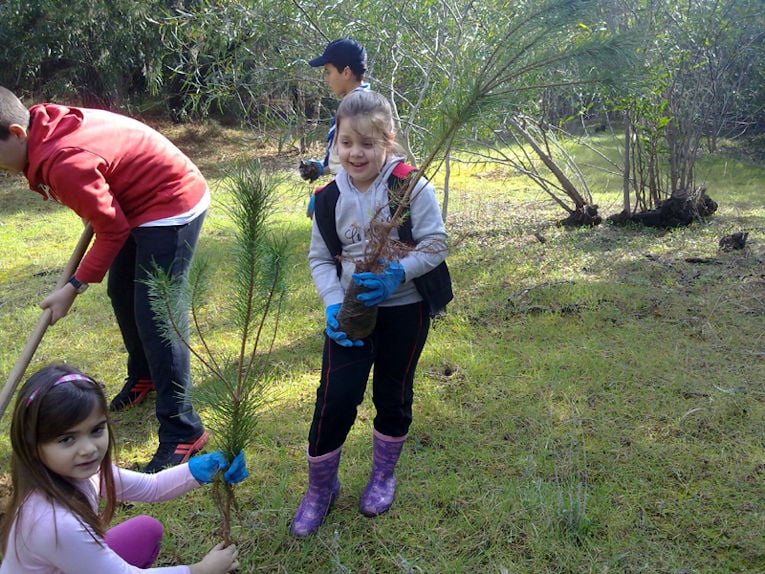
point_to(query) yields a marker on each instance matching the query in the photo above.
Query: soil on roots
(355, 318)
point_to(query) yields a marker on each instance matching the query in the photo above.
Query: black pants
(150, 356)
(394, 349)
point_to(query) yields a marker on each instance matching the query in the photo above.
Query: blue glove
(380, 285)
(311, 203)
(237, 470)
(204, 466)
(311, 170)
(332, 325)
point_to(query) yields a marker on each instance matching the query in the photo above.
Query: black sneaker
(133, 392)
(174, 453)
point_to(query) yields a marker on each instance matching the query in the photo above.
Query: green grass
(593, 403)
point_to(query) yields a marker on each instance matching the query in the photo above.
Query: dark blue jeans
(394, 349)
(150, 356)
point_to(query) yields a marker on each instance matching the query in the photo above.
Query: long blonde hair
(372, 116)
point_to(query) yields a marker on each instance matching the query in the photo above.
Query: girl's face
(77, 453)
(362, 156)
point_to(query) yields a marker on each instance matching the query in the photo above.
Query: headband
(65, 379)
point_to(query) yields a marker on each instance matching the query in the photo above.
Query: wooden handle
(42, 324)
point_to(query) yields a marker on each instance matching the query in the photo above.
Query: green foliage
(475, 78)
(674, 103)
(236, 390)
(245, 62)
(591, 403)
(261, 257)
(220, 56)
(93, 50)
(233, 413)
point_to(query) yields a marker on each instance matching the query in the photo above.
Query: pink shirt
(52, 541)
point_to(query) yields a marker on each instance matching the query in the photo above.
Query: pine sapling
(238, 386)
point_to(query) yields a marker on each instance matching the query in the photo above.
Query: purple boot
(323, 488)
(381, 488)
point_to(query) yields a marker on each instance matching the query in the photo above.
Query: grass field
(591, 403)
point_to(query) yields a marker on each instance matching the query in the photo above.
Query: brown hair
(356, 69)
(12, 111)
(45, 410)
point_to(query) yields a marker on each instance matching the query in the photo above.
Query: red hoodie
(113, 171)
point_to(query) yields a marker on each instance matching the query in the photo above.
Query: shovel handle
(43, 322)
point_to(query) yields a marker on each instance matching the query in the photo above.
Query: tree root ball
(355, 318)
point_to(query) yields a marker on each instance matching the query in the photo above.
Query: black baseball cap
(343, 52)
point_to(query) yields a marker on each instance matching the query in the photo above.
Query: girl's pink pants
(136, 540)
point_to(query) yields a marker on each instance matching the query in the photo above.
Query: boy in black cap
(345, 64)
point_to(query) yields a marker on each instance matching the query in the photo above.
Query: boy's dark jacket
(435, 287)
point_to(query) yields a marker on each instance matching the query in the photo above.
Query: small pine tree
(237, 388)
(487, 82)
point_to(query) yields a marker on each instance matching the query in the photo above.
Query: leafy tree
(696, 58)
(702, 76)
(229, 59)
(97, 50)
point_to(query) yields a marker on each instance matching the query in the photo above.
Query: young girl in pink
(62, 464)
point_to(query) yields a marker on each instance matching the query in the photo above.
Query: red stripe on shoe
(142, 387)
(189, 448)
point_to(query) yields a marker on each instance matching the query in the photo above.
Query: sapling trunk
(224, 499)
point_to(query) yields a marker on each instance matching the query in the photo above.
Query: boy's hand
(311, 170)
(311, 205)
(59, 302)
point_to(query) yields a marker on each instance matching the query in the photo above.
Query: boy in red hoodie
(146, 202)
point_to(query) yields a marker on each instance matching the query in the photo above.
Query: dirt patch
(216, 149)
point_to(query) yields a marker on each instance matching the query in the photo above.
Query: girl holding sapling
(62, 464)
(349, 215)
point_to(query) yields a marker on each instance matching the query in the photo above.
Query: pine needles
(237, 388)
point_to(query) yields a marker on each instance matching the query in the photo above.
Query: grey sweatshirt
(353, 212)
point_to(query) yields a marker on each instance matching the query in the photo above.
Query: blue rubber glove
(203, 467)
(380, 285)
(237, 470)
(311, 203)
(332, 325)
(311, 170)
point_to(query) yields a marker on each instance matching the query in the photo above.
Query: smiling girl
(62, 463)
(369, 156)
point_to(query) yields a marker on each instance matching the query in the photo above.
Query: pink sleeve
(53, 540)
(165, 485)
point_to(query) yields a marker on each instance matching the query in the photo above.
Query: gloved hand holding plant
(332, 328)
(380, 285)
(204, 467)
(311, 169)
